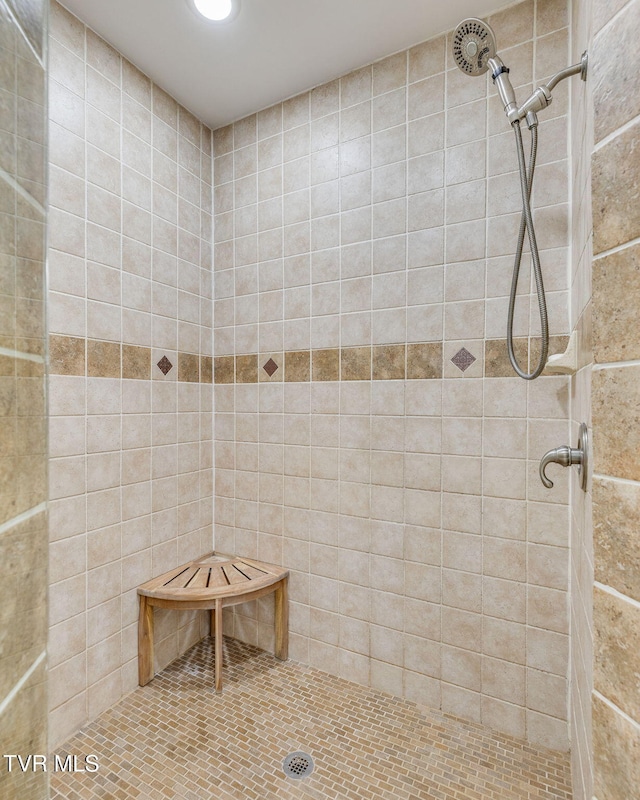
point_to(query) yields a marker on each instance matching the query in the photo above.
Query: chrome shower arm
(542, 98)
(574, 69)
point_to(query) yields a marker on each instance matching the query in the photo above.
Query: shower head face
(474, 43)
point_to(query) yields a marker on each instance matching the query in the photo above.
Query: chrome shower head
(474, 43)
(474, 51)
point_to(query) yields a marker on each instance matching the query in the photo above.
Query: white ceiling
(272, 50)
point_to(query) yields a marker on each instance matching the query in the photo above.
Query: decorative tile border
(70, 355)
(424, 361)
(394, 362)
(355, 363)
(297, 366)
(270, 368)
(381, 362)
(67, 355)
(325, 365)
(135, 361)
(496, 356)
(464, 359)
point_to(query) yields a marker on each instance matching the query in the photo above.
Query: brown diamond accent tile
(164, 365)
(270, 367)
(231, 745)
(463, 359)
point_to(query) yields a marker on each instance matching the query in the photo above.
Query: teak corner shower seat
(211, 583)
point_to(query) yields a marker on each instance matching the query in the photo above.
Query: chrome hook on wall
(568, 456)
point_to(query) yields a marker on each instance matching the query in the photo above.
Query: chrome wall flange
(584, 447)
(584, 65)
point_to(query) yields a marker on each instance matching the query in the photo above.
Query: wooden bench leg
(145, 641)
(282, 620)
(217, 655)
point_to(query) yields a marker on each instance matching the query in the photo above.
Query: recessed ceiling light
(216, 10)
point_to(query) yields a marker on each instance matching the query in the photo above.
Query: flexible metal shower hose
(526, 223)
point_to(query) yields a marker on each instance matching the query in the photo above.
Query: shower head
(474, 43)
(474, 51)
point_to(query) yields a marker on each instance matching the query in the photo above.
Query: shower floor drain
(298, 765)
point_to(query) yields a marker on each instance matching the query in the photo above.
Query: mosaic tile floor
(175, 738)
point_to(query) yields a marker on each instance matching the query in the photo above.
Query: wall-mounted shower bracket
(568, 456)
(541, 97)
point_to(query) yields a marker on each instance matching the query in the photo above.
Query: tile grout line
(17, 23)
(611, 137)
(19, 189)
(614, 479)
(617, 710)
(18, 686)
(615, 365)
(20, 355)
(617, 249)
(23, 517)
(618, 595)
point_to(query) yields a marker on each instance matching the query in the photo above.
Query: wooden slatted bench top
(211, 582)
(213, 576)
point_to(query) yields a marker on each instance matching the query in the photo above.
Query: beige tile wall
(382, 209)
(130, 283)
(581, 502)
(616, 300)
(23, 428)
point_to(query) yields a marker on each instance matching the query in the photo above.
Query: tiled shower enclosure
(285, 339)
(369, 434)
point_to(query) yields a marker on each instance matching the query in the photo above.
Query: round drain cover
(298, 765)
